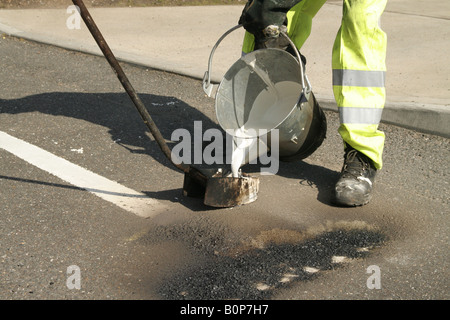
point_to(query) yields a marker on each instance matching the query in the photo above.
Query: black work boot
(355, 184)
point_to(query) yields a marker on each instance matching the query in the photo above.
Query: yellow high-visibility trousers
(358, 68)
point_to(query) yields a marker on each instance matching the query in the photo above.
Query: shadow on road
(115, 112)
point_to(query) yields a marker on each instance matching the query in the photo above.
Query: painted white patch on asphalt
(339, 259)
(287, 277)
(126, 198)
(77, 150)
(262, 286)
(311, 269)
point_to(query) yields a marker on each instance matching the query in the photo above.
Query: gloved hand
(272, 38)
(262, 18)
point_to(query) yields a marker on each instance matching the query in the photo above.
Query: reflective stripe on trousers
(358, 68)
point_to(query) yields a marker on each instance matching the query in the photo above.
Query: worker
(358, 76)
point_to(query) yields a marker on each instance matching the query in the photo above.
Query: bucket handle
(306, 88)
(208, 87)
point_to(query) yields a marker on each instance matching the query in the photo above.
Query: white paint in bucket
(270, 108)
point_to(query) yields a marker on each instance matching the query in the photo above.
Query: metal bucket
(267, 90)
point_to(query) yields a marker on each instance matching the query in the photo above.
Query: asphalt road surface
(63, 240)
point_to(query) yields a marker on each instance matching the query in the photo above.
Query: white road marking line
(126, 198)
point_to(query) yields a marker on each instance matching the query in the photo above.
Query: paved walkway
(180, 39)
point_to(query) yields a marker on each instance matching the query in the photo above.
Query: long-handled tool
(218, 190)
